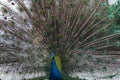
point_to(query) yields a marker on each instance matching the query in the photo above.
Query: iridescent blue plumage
(55, 73)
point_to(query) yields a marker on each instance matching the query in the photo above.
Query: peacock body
(55, 73)
(77, 31)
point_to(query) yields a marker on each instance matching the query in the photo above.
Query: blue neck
(55, 73)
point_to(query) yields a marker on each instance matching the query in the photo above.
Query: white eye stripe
(52, 54)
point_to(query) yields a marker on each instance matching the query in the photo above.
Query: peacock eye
(35, 0)
(91, 70)
(5, 18)
(25, 20)
(117, 44)
(51, 2)
(6, 36)
(53, 29)
(18, 42)
(81, 38)
(51, 38)
(4, 10)
(103, 4)
(90, 57)
(56, 43)
(12, 23)
(21, 9)
(111, 16)
(59, 8)
(86, 2)
(13, 3)
(46, 25)
(72, 5)
(71, 17)
(37, 22)
(60, 36)
(47, 7)
(41, 12)
(68, 31)
(104, 30)
(20, 33)
(45, 33)
(96, 14)
(61, 23)
(104, 68)
(52, 16)
(81, 16)
(63, 44)
(31, 42)
(31, 9)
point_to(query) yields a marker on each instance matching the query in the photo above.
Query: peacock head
(52, 55)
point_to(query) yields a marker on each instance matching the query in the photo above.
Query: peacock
(55, 68)
(65, 36)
